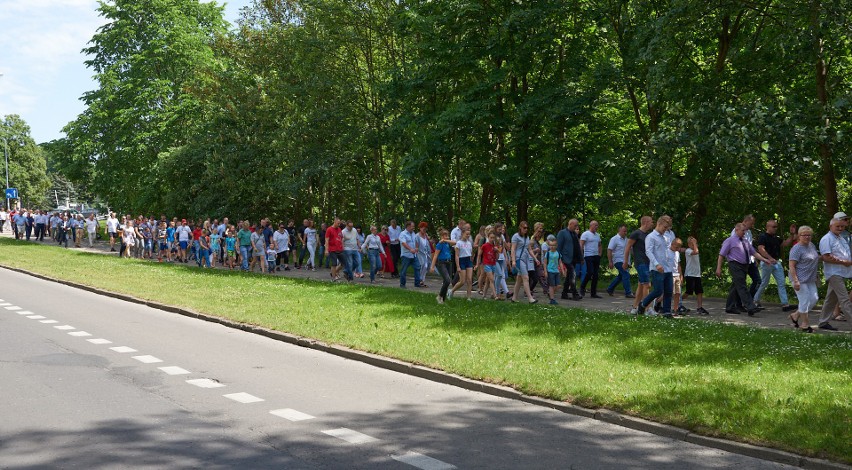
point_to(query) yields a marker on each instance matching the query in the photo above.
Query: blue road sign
(11, 193)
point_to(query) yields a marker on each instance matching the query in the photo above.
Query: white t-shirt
(282, 241)
(183, 233)
(464, 248)
(593, 241)
(112, 225)
(91, 225)
(310, 236)
(4, 215)
(693, 264)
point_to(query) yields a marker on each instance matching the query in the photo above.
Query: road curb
(436, 375)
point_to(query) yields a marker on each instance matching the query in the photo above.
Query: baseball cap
(841, 215)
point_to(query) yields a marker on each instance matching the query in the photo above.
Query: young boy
(487, 257)
(148, 239)
(271, 255)
(162, 238)
(676, 245)
(692, 275)
(554, 268)
(230, 247)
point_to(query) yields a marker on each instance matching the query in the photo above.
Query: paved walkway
(771, 317)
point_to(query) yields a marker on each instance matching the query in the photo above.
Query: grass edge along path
(775, 388)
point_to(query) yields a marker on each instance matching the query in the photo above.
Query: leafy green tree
(27, 166)
(146, 61)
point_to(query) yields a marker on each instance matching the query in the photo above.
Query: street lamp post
(6, 154)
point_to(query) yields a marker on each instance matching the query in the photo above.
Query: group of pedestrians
(60, 226)
(480, 265)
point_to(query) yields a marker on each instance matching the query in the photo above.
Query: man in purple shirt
(737, 251)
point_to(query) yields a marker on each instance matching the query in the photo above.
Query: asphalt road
(91, 382)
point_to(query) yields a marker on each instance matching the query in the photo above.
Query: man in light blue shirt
(408, 242)
(661, 264)
(837, 267)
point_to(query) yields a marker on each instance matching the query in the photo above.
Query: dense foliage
(27, 167)
(488, 109)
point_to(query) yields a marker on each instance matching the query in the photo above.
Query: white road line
(291, 414)
(80, 333)
(49, 322)
(350, 436)
(123, 349)
(99, 341)
(25, 312)
(243, 397)
(174, 370)
(205, 383)
(423, 462)
(13, 308)
(147, 359)
(5, 304)
(36, 317)
(65, 327)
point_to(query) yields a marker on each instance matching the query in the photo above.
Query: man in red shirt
(334, 245)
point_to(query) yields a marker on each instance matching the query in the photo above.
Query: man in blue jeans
(350, 250)
(615, 252)
(408, 242)
(769, 246)
(662, 258)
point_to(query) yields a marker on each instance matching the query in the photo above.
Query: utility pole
(6, 154)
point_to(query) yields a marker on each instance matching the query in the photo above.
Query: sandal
(794, 320)
(840, 317)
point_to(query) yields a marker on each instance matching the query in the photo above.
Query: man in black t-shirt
(300, 239)
(769, 246)
(636, 243)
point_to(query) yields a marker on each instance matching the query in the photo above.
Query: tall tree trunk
(829, 180)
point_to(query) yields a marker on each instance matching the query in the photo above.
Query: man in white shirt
(615, 252)
(4, 216)
(590, 243)
(91, 229)
(394, 232)
(837, 267)
(112, 229)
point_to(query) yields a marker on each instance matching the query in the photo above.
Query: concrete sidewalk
(771, 317)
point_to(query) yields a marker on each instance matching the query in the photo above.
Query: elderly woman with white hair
(804, 267)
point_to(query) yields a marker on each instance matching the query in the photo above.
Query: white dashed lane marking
(5, 304)
(80, 333)
(65, 327)
(147, 359)
(205, 383)
(99, 341)
(174, 370)
(25, 312)
(243, 397)
(49, 322)
(123, 349)
(350, 436)
(36, 317)
(422, 461)
(13, 308)
(291, 414)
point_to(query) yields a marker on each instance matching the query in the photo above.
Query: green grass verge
(769, 387)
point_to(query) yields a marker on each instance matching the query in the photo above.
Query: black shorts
(693, 285)
(337, 258)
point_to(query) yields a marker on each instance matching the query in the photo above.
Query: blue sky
(40, 59)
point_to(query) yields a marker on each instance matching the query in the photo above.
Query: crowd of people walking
(480, 265)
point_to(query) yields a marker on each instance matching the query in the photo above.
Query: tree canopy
(488, 110)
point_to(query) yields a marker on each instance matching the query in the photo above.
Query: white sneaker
(634, 311)
(449, 294)
(439, 299)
